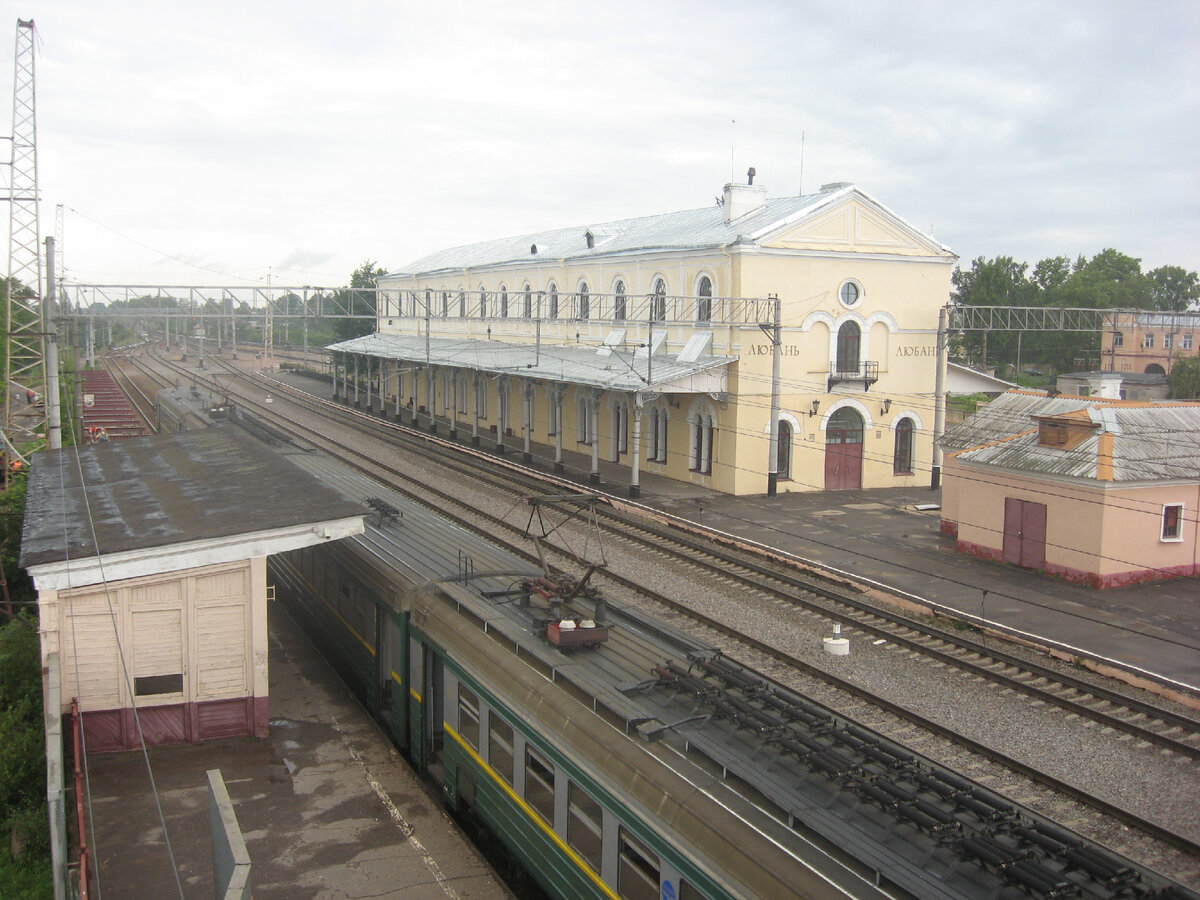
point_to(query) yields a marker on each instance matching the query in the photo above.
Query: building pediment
(854, 225)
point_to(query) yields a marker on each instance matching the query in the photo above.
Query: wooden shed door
(1024, 533)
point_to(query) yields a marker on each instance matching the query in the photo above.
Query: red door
(1024, 533)
(843, 451)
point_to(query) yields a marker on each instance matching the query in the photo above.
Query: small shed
(149, 556)
(1102, 492)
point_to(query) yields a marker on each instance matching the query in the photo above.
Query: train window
(468, 716)
(500, 747)
(637, 872)
(688, 892)
(539, 784)
(583, 825)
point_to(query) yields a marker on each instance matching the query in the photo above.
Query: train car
(644, 764)
(186, 408)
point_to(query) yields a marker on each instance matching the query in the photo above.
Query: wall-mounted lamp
(887, 404)
(814, 408)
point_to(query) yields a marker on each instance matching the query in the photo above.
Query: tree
(359, 299)
(996, 282)
(1173, 288)
(1184, 380)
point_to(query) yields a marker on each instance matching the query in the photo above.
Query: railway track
(771, 583)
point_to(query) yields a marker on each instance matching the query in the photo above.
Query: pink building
(1102, 492)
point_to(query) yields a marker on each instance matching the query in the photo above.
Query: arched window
(428, 301)
(849, 340)
(704, 300)
(552, 313)
(445, 304)
(585, 302)
(619, 301)
(658, 301)
(527, 301)
(902, 460)
(462, 303)
(503, 302)
(483, 298)
(784, 467)
(701, 451)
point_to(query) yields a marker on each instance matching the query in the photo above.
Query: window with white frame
(619, 301)
(483, 299)
(527, 301)
(552, 313)
(1187, 342)
(584, 302)
(1148, 341)
(503, 313)
(658, 303)
(1172, 522)
(704, 299)
(1118, 339)
(1168, 341)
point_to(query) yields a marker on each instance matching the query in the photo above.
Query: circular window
(850, 293)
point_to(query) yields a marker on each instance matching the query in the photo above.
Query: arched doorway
(843, 450)
(784, 468)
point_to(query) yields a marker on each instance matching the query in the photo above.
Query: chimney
(741, 199)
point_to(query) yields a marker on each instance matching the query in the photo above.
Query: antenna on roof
(802, 164)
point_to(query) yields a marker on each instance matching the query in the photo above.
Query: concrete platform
(328, 809)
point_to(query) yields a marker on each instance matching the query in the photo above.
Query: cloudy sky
(219, 142)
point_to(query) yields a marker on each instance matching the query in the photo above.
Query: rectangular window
(1172, 522)
(468, 716)
(584, 820)
(1187, 342)
(500, 747)
(1168, 341)
(1148, 341)
(1118, 339)
(688, 892)
(539, 784)
(637, 869)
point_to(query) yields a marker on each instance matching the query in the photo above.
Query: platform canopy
(610, 366)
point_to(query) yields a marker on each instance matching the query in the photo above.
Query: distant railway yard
(1113, 763)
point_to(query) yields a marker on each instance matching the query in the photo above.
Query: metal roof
(166, 490)
(1150, 441)
(603, 367)
(686, 229)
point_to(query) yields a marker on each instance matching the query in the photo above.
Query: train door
(389, 646)
(434, 732)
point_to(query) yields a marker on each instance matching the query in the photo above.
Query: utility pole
(939, 396)
(49, 315)
(774, 333)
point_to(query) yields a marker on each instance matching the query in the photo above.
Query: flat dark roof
(167, 489)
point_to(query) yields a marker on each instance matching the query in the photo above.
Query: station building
(650, 342)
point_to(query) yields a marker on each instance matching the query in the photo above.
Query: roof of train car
(418, 549)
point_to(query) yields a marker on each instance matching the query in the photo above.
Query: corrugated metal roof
(1151, 442)
(686, 229)
(618, 370)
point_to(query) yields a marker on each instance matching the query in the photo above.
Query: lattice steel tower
(25, 350)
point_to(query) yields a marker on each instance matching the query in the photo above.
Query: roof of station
(686, 229)
(160, 503)
(607, 367)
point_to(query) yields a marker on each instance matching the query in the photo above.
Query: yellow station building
(651, 343)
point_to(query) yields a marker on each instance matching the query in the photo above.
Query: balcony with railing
(850, 370)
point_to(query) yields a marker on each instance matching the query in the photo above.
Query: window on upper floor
(704, 300)
(849, 345)
(1168, 341)
(619, 301)
(585, 302)
(1187, 342)
(1148, 341)
(1118, 339)
(850, 293)
(658, 301)
(527, 301)
(552, 312)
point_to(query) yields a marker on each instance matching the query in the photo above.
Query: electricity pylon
(25, 350)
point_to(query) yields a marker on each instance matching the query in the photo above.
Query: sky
(228, 143)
